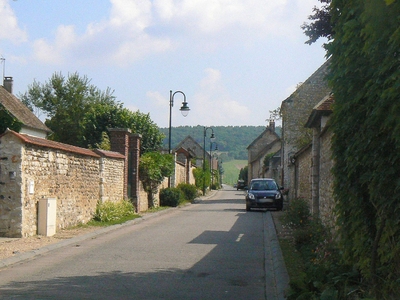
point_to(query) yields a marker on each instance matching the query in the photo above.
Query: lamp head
(185, 109)
(212, 138)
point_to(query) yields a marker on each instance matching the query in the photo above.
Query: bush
(323, 274)
(113, 211)
(298, 214)
(189, 191)
(171, 197)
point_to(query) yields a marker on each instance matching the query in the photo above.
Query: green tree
(365, 77)
(153, 168)
(202, 177)
(65, 101)
(79, 113)
(244, 174)
(8, 121)
(321, 23)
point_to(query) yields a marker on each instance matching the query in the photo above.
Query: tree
(8, 121)
(153, 168)
(202, 177)
(79, 113)
(365, 78)
(321, 25)
(244, 174)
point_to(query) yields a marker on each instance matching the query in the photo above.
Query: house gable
(31, 124)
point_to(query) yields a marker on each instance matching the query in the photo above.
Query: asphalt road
(210, 250)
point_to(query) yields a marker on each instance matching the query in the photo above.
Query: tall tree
(365, 77)
(153, 168)
(79, 113)
(321, 23)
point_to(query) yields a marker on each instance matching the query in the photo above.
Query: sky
(234, 60)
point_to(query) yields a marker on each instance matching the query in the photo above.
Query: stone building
(295, 111)
(322, 202)
(195, 150)
(264, 155)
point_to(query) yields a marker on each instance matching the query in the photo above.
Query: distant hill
(232, 141)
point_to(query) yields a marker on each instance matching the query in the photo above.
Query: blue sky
(235, 60)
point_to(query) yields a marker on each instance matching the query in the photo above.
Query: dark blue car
(264, 193)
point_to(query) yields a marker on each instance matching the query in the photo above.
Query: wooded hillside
(232, 141)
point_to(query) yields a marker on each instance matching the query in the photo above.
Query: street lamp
(184, 110)
(211, 162)
(212, 139)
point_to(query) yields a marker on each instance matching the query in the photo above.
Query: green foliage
(8, 121)
(189, 191)
(231, 170)
(104, 143)
(321, 25)
(202, 177)
(232, 141)
(365, 76)
(171, 197)
(79, 113)
(113, 211)
(244, 174)
(322, 275)
(267, 159)
(153, 168)
(298, 213)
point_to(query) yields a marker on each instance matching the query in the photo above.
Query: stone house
(313, 163)
(264, 155)
(322, 202)
(195, 150)
(302, 164)
(295, 111)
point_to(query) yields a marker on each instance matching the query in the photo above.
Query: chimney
(8, 84)
(272, 125)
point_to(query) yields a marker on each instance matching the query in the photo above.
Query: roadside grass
(293, 260)
(109, 223)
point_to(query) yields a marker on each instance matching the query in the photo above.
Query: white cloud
(258, 16)
(214, 105)
(119, 40)
(157, 99)
(53, 53)
(9, 28)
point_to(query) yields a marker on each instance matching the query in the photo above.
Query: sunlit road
(210, 250)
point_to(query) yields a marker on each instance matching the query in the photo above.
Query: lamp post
(211, 162)
(212, 139)
(184, 110)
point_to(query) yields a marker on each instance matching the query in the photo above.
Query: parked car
(240, 185)
(264, 193)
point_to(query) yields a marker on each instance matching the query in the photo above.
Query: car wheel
(247, 207)
(280, 206)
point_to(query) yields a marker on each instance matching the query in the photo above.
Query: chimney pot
(8, 84)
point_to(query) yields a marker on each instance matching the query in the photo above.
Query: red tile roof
(50, 144)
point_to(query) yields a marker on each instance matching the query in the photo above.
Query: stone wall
(180, 173)
(111, 178)
(302, 175)
(41, 172)
(326, 201)
(10, 188)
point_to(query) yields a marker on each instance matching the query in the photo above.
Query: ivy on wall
(365, 76)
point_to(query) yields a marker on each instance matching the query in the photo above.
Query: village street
(213, 249)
